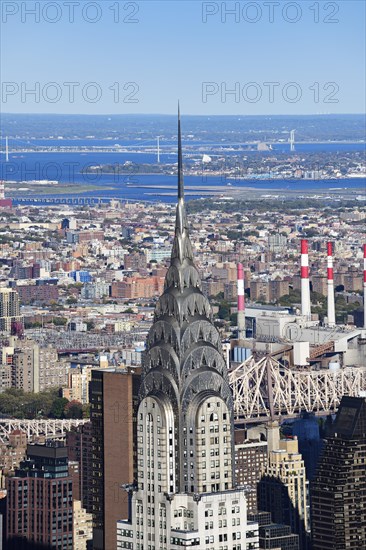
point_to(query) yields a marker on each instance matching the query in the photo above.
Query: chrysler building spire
(182, 249)
(183, 356)
(180, 161)
(185, 428)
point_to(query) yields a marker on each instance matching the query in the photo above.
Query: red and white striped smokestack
(330, 279)
(364, 286)
(241, 303)
(305, 285)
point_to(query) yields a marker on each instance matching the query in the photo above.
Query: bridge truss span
(37, 428)
(265, 389)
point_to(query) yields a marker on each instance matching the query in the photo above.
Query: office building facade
(338, 492)
(112, 396)
(40, 500)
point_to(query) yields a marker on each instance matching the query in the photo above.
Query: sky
(218, 58)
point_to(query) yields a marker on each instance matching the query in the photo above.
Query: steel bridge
(266, 390)
(75, 200)
(37, 428)
(263, 390)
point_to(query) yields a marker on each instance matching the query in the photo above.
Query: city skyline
(182, 301)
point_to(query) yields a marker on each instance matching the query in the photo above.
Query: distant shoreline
(74, 189)
(136, 148)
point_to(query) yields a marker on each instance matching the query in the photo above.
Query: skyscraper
(283, 489)
(186, 493)
(251, 459)
(112, 395)
(252, 447)
(338, 492)
(40, 504)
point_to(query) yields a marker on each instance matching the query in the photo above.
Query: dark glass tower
(339, 490)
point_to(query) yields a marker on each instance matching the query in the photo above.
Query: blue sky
(276, 57)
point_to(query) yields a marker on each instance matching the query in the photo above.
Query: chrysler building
(186, 493)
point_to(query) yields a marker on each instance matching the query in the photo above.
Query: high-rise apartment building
(212, 287)
(338, 492)
(112, 396)
(250, 461)
(38, 294)
(40, 500)
(268, 291)
(252, 447)
(277, 242)
(9, 309)
(135, 261)
(278, 288)
(35, 368)
(137, 287)
(226, 271)
(78, 379)
(186, 493)
(319, 284)
(5, 377)
(259, 290)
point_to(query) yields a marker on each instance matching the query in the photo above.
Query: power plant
(286, 361)
(364, 286)
(241, 304)
(330, 280)
(305, 283)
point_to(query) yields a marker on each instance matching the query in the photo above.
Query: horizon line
(187, 114)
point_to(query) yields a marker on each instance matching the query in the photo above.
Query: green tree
(9, 404)
(224, 310)
(234, 319)
(86, 410)
(90, 325)
(288, 300)
(73, 409)
(58, 407)
(16, 403)
(59, 321)
(30, 324)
